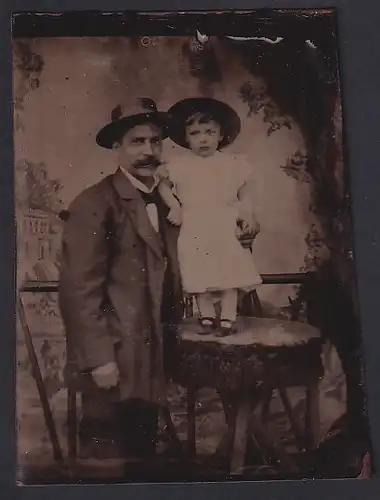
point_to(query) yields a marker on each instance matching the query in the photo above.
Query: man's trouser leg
(139, 424)
(99, 429)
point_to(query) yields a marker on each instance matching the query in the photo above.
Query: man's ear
(116, 145)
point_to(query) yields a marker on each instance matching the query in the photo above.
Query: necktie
(149, 197)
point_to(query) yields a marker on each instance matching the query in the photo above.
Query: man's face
(140, 150)
(203, 138)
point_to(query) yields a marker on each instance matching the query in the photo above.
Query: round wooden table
(265, 354)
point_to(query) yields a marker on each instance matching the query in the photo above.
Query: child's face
(203, 138)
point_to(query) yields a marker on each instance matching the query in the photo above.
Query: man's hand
(106, 376)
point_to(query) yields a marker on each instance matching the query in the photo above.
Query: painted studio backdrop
(64, 90)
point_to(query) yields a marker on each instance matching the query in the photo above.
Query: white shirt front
(150, 207)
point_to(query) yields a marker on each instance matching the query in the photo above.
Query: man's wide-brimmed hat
(221, 112)
(143, 110)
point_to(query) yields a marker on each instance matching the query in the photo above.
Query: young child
(208, 193)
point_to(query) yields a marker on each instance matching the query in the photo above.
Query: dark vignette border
(359, 55)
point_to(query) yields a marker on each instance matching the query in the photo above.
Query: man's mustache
(150, 161)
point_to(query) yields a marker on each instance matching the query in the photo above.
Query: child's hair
(201, 117)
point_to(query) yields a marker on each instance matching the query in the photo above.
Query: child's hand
(248, 225)
(175, 216)
(162, 171)
(255, 226)
(242, 228)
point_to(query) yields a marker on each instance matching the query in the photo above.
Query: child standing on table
(212, 202)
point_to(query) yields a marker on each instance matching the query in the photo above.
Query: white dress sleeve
(244, 176)
(172, 170)
(244, 172)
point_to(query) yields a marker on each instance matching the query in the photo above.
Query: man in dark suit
(120, 285)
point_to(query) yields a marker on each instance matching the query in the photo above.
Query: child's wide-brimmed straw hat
(221, 112)
(141, 111)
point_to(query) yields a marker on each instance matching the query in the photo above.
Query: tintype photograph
(186, 292)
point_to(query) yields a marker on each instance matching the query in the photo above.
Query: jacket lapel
(136, 211)
(170, 235)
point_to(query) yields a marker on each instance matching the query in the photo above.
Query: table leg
(222, 453)
(267, 399)
(191, 439)
(238, 409)
(171, 428)
(72, 422)
(294, 423)
(312, 415)
(243, 415)
(266, 435)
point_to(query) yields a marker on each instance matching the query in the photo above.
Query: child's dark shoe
(207, 324)
(227, 327)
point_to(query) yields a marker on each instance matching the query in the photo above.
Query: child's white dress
(211, 257)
